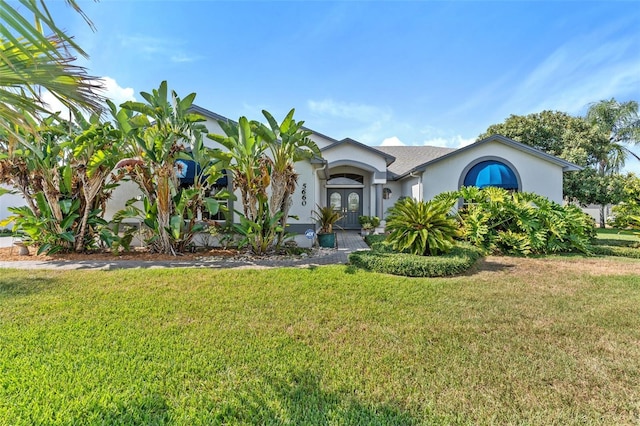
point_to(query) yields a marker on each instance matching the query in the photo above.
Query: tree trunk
(602, 216)
(90, 191)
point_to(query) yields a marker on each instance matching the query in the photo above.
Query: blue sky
(430, 72)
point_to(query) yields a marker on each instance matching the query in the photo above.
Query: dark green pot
(327, 240)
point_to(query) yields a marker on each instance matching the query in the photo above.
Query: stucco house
(358, 179)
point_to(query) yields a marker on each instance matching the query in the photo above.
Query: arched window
(491, 173)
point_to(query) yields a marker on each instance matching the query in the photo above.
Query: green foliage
(259, 234)
(422, 228)
(369, 222)
(326, 218)
(624, 212)
(617, 250)
(159, 132)
(374, 238)
(521, 223)
(61, 172)
(596, 142)
(260, 177)
(458, 260)
(37, 55)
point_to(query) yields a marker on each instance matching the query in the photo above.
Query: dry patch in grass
(543, 267)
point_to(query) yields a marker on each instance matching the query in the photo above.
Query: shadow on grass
(300, 400)
(489, 265)
(25, 286)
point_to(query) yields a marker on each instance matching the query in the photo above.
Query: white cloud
(456, 141)
(183, 57)
(349, 110)
(117, 93)
(169, 48)
(392, 141)
(112, 90)
(576, 74)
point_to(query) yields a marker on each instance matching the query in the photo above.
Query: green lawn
(520, 341)
(617, 234)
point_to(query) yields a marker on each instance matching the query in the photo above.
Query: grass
(522, 341)
(617, 234)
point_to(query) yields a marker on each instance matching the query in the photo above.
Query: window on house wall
(186, 172)
(491, 173)
(345, 178)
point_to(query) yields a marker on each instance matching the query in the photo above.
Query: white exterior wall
(9, 200)
(321, 141)
(396, 193)
(299, 207)
(536, 175)
(407, 186)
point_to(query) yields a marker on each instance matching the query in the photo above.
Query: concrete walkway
(347, 242)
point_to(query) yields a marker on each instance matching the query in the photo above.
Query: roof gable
(387, 157)
(566, 165)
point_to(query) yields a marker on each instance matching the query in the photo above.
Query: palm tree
(31, 61)
(619, 124)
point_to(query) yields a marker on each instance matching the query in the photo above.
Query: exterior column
(378, 200)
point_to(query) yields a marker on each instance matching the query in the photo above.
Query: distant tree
(621, 125)
(580, 141)
(559, 134)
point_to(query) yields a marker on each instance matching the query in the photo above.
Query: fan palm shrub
(422, 228)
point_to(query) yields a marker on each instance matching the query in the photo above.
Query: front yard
(537, 341)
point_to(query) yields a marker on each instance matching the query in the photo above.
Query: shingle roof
(409, 157)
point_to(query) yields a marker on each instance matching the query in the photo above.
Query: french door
(348, 201)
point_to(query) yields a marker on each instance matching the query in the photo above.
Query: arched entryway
(345, 195)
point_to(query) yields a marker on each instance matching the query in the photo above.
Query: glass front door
(348, 201)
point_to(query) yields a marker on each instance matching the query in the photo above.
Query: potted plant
(367, 224)
(326, 218)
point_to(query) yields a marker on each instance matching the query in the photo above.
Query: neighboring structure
(358, 179)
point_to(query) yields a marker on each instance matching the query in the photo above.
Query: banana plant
(288, 142)
(246, 155)
(159, 132)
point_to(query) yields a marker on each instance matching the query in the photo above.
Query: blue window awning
(187, 171)
(491, 173)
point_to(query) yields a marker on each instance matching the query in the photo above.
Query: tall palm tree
(39, 56)
(619, 124)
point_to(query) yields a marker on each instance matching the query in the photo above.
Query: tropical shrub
(374, 238)
(266, 183)
(520, 223)
(458, 260)
(158, 133)
(61, 171)
(368, 222)
(422, 228)
(287, 142)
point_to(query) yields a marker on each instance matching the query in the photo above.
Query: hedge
(630, 252)
(457, 261)
(616, 243)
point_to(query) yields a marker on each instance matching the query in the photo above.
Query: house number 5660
(304, 194)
